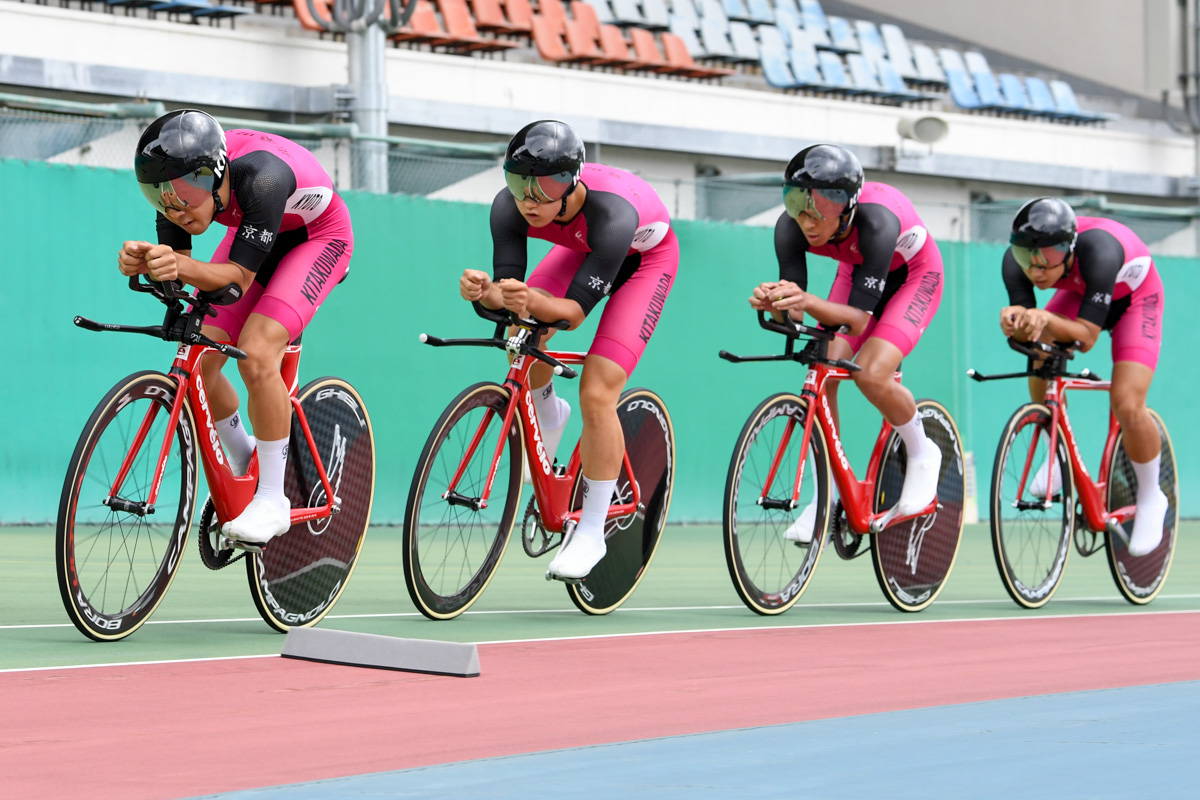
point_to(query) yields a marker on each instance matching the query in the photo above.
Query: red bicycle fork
(552, 490)
(230, 493)
(856, 495)
(1091, 492)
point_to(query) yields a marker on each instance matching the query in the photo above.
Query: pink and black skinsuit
(888, 266)
(1113, 284)
(619, 244)
(286, 224)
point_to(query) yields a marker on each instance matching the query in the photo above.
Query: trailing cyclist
(887, 289)
(1103, 279)
(612, 236)
(289, 243)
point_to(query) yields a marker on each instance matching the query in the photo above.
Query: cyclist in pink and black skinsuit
(1104, 279)
(887, 289)
(289, 243)
(612, 236)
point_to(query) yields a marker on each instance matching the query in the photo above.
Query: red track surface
(179, 730)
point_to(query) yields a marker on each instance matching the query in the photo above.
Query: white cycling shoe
(1037, 486)
(920, 482)
(801, 531)
(1148, 525)
(576, 558)
(262, 521)
(550, 439)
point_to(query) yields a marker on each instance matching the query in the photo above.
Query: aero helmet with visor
(824, 181)
(543, 162)
(181, 160)
(1043, 222)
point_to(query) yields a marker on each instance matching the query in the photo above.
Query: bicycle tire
(300, 575)
(914, 558)
(632, 540)
(1031, 545)
(452, 551)
(769, 572)
(1141, 578)
(110, 593)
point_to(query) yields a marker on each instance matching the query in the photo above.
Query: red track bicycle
(131, 487)
(1031, 536)
(783, 461)
(466, 490)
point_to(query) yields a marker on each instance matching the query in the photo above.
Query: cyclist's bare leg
(264, 341)
(1130, 383)
(601, 449)
(223, 405)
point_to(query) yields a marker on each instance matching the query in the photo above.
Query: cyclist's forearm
(1071, 330)
(552, 309)
(833, 315)
(207, 277)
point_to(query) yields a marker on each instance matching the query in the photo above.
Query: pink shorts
(303, 278)
(907, 313)
(1137, 336)
(632, 312)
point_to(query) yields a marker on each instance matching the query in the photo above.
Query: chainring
(213, 557)
(534, 537)
(846, 542)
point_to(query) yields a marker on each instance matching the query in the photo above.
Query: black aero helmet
(181, 158)
(827, 172)
(1043, 222)
(544, 161)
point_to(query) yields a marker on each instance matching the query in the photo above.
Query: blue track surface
(1140, 742)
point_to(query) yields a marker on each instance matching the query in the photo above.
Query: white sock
(913, 435)
(238, 444)
(548, 407)
(272, 461)
(597, 496)
(1147, 477)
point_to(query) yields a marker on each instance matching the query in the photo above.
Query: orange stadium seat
(677, 55)
(461, 26)
(646, 50)
(613, 45)
(548, 39)
(490, 18)
(520, 14)
(555, 12)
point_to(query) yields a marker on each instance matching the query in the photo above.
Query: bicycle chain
(845, 541)
(213, 558)
(536, 541)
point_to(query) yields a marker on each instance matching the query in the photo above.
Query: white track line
(740, 629)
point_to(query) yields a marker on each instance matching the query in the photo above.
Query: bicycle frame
(856, 495)
(230, 493)
(552, 489)
(1091, 491)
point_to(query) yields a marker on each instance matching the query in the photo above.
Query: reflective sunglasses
(818, 204)
(1024, 255)
(188, 191)
(539, 188)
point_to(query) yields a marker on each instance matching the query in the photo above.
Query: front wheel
(117, 555)
(452, 542)
(769, 570)
(1031, 534)
(633, 539)
(913, 558)
(300, 575)
(1141, 578)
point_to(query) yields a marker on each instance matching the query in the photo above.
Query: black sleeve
(611, 222)
(1020, 288)
(790, 249)
(171, 234)
(878, 232)
(509, 238)
(262, 182)
(1099, 257)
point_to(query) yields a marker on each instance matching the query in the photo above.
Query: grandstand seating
(842, 38)
(1068, 106)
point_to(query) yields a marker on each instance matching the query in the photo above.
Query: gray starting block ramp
(382, 652)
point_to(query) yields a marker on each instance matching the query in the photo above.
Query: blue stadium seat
(604, 13)
(627, 12)
(686, 11)
(771, 39)
(714, 38)
(812, 17)
(1065, 101)
(761, 12)
(863, 77)
(962, 90)
(841, 36)
(804, 61)
(687, 33)
(929, 69)
(834, 73)
(892, 81)
(779, 74)
(986, 86)
(735, 10)
(898, 50)
(657, 17)
(1012, 89)
(1041, 101)
(745, 46)
(712, 9)
(787, 21)
(870, 43)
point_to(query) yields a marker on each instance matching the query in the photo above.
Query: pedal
(237, 544)
(550, 576)
(1116, 529)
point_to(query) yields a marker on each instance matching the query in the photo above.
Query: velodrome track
(683, 693)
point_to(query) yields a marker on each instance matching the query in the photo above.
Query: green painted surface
(63, 226)
(210, 614)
